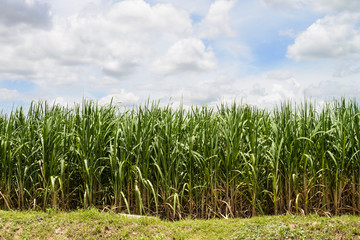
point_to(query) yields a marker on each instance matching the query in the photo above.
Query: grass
(204, 162)
(92, 224)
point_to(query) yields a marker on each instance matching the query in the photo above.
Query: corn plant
(203, 162)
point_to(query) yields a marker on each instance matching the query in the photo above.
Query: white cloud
(327, 90)
(337, 5)
(186, 55)
(120, 96)
(7, 94)
(102, 82)
(277, 94)
(195, 89)
(346, 69)
(209, 91)
(279, 75)
(283, 3)
(117, 41)
(288, 90)
(258, 90)
(315, 5)
(71, 7)
(198, 9)
(330, 37)
(217, 21)
(64, 101)
(288, 33)
(32, 13)
(140, 48)
(271, 88)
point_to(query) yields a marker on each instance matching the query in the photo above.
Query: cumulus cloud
(217, 21)
(117, 41)
(277, 94)
(186, 55)
(71, 7)
(346, 69)
(283, 3)
(8, 94)
(29, 12)
(330, 37)
(198, 9)
(337, 5)
(258, 90)
(327, 90)
(274, 87)
(120, 96)
(211, 91)
(64, 101)
(289, 89)
(197, 89)
(315, 5)
(101, 82)
(279, 75)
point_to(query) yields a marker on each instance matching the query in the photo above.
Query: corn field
(204, 162)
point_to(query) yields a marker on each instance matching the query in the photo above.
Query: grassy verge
(91, 224)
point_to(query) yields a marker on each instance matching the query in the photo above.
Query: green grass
(92, 224)
(227, 161)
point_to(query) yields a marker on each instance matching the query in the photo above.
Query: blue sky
(200, 52)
